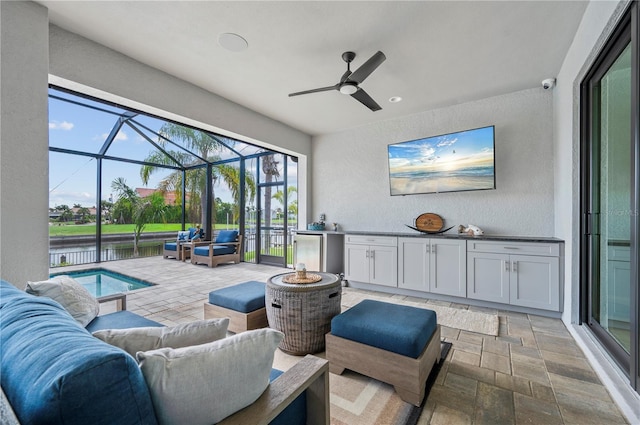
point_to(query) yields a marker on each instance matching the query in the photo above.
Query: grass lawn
(108, 229)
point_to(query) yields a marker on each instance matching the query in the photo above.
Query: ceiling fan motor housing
(348, 56)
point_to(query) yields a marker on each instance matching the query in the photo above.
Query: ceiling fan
(350, 80)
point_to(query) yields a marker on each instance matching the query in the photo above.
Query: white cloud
(120, 136)
(57, 125)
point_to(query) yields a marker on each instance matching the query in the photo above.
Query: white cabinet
(433, 265)
(371, 259)
(523, 274)
(619, 278)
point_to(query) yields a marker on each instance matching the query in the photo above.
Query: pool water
(101, 282)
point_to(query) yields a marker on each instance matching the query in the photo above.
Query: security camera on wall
(549, 83)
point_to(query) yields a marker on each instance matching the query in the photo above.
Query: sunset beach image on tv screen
(448, 163)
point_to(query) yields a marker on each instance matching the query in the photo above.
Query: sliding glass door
(609, 198)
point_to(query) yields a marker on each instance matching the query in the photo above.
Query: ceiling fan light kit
(349, 82)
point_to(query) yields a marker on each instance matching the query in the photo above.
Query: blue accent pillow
(192, 231)
(226, 236)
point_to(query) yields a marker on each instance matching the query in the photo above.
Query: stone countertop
(447, 235)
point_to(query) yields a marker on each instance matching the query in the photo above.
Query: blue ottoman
(243, 304)
(392, 343)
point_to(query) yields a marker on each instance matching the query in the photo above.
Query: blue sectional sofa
(52, 370)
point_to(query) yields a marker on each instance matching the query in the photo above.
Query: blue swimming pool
(101, 282)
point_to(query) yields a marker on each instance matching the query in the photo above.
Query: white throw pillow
(74, 297)
(133, 340)
(203, 384)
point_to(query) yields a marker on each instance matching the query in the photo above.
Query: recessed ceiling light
(232, 42)
(395, 99)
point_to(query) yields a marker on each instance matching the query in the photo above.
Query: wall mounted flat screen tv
(448, 163)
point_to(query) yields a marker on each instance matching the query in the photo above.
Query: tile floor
(532, 373)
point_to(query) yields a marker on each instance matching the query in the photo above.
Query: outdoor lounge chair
(174, 247)
(226, 248)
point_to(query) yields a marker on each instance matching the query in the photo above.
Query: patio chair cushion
(244, 297)
(226, 236)
(71, 295)
(171, 246)
(217, 250)
(120, 320)
(151, 338)
(392, 327)
(296, 412)
(203, 384)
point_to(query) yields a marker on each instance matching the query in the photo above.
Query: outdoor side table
(303, 312)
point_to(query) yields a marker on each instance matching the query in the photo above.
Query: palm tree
(143, 210)
(292, 207)
(204, 146)
(270, 169)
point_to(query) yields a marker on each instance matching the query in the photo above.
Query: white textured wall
(24, 138)
(351, 182)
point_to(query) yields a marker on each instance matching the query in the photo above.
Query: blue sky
(72, 178)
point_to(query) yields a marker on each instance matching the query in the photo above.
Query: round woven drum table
(302, 311)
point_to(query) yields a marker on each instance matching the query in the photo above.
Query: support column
(24, 142)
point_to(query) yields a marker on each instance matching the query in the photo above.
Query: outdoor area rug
(458, 318)
(359, 400)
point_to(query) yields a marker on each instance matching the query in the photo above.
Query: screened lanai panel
(78, 128)
(226, 193)
(71, 180)
(130, 175)
(271, 168)
(135, 142)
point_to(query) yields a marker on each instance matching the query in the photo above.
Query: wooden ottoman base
(407, 375)
(238, 321)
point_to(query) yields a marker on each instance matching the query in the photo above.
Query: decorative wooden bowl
(429, 222)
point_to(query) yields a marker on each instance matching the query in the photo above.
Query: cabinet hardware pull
(366, 254)
(433, 249)
(511, 247)
(506, 266)
(515, 266)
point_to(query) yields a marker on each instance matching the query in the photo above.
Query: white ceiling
(439, 53)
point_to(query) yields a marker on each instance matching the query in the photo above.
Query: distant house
(170, 198)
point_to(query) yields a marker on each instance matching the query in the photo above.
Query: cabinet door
(619, 292)
(384, 265)
(535, 282)
(413, 264)
(448, 271)
(356, 262)
(488, 277)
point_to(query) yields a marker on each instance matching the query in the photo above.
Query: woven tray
(293, 278)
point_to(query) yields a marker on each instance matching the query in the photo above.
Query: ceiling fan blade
(367, 68)
(315, 90)
(345, 76)
(362, 97)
